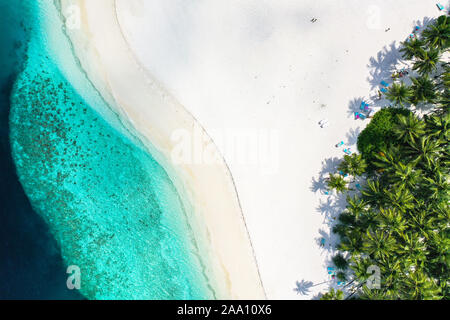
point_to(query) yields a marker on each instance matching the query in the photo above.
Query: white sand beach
(257, 76)
(216, 217)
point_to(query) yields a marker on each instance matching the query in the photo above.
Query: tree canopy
(399, 219)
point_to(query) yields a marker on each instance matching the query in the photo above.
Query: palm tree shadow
(424, 23)
(327, 208)
(328, 238)
(318, 184)
(382, 66)
(424, 107)
(317, 296)
(353, 105)
(303, 287)
(352, 136)
(328, 165)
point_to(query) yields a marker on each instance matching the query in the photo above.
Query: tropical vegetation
(398, 220)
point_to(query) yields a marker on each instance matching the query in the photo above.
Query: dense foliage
(379, 133)
(399, 219)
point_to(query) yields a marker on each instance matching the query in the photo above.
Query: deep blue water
(31, 265)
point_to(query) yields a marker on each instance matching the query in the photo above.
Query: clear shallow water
(109, 205)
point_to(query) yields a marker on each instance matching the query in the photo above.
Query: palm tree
(337, 182)
(413, 247)
(356, 206)
(391, 269)
(443, 106)
(340, 262)
(412, 48)
(440, 213)
(387, 159)
(405, 176)
(427, 61)
(418, 286)
(359, 265)
(437, 259)
(350, 244)
(446, 76)
(369, 220)
(425, 150)
(438, 186)
(399, 94)
(439, 126)
(421, 222)
(401, 199)
(424, 90)
(392, 220)
(354, 165)
(437, 35)
(333, 295)
(373, 194)
(444, 98)
(409, 128)
(372, 294)
(379, 244)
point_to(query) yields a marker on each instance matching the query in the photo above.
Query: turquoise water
(112, 209)
(31, 266)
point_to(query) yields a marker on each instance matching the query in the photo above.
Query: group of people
(399, 74)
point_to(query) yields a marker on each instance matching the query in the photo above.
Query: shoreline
(266, 65)
(195, 183)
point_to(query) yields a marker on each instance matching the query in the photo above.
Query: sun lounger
(347, 151)
(343, 174)
(359, 115)
(383, 90)
(364, 106)
(384, 83)
(440, 6)
(339, 144)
